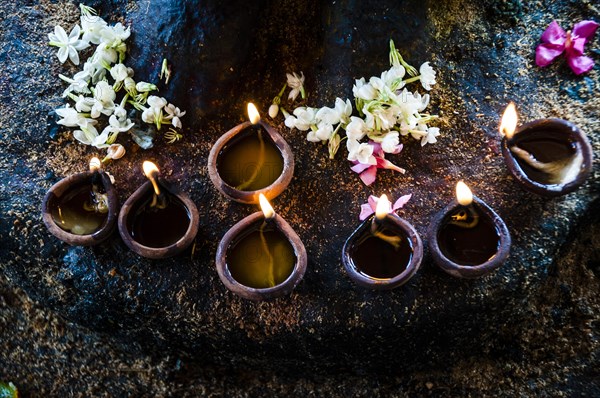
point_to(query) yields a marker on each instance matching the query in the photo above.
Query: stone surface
(226, 55)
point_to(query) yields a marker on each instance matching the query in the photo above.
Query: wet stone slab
(224, 55)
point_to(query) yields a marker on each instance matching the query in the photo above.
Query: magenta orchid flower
(368, 172)
(367, 209)
(555, 41)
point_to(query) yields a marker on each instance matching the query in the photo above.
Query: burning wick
(95, 164)
(560, 171)
(382, 210)
(151, 172)
(266, 207)
(466, 216)
(269, 213)
(253, 114)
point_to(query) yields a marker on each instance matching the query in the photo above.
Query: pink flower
(368, 172)
(367, 209)
(555, 41)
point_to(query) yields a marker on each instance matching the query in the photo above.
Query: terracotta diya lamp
(384, 252)
(549, 157)
(468, 239)
(81, 209)
(261, 257)
(250, 159)
(158, 220)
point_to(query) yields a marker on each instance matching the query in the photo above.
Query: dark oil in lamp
(159, 219)
(550, 157)
(250, 161)
(83, 208)
(466, 236)
(383, 250)
(261, 256)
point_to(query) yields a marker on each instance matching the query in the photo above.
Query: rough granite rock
(224, 55)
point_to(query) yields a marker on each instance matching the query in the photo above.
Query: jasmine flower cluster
(386, 111)
(104, 87)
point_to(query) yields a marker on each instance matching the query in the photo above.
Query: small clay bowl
(384, 283)
(126, 218)
(469, 271)
(250, 293)
(558, 129)
(63, 187)
(251, 197)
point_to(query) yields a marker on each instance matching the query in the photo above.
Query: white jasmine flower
(114, 35)
(144, 87)
(149, 115)
(173, 114)
(120, 113)
(105, 55)
(91, 26)
(84, 104)
(390, 142)
(296, 83)
(393, 77)
(130, 85)
(356, 129)
(361, 152)
(119, 72)
(78, 86)
(427, 76)
(430, 136)
(117, 126)
(408, 124)
(304, 118)
(156, 102)
(115, 151)
(324, 131)
(340, 113)
(88, 135)
(105, 96)
(364, 90)
(67, 45)
(70, 117)
(273, 111)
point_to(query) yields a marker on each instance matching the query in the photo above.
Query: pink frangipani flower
(367, 209)
(555, 41)
(368, 172)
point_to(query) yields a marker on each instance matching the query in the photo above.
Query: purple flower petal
(365, 211)
(580, 64)
(373, 201)
(546, 53)
(576, 48)
(369, 175)
(585, 29)
(401, 202)
(554, 34)
(386, 164)
(359, 167)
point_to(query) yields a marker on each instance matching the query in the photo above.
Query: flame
(463, 194)
(508, 124)
(95, 164)
(150, 171)
(253, 114)
(383, 207)
(266, 207)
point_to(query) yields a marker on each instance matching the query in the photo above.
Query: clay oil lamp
(158, 220)
(384, 252)
(81, 209)
(549, 157)
(261, 257)
(250, 159)
(468, 239)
